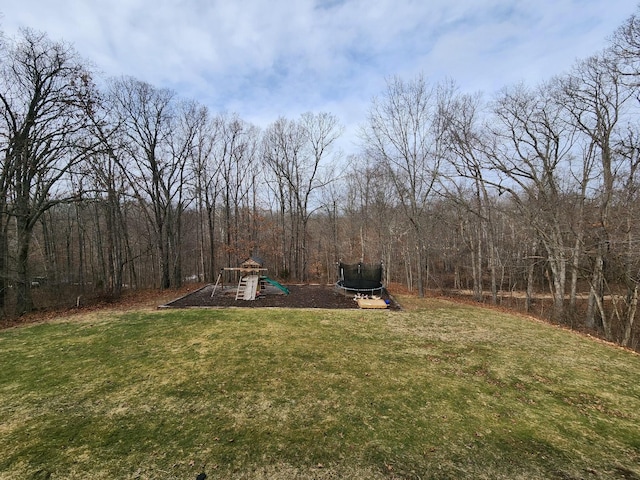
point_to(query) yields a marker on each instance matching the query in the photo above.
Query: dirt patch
(300, 296)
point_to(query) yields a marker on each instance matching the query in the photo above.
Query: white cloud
(266, 58)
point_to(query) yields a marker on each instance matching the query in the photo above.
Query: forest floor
(300, 296)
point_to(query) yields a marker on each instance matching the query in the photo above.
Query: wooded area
(114, 184)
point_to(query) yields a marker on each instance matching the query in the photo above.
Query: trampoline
(360, 278)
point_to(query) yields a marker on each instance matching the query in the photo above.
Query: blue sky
(269, 58)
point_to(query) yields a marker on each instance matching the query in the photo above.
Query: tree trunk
(212, 246)
(558, 269)
(476, 268)
(111, 260)
(176, 250)
(81, 248)
(24, 299)
(165, 264)
(558, 265)
(422, 266)
(575, 269)
(530, 285)
(494, 275)
(4, 274)
(595, 294)
(632, 307)
(48, 239)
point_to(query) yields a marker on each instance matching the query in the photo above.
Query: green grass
(437, 391)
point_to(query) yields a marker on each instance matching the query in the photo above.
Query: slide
(276, 284)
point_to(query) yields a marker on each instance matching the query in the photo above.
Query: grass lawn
(438, 390)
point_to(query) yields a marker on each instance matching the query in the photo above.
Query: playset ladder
(247, 287)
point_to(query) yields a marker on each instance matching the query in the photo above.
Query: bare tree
(207, 186)
(282, 144)
(373, 221)
(155, 163)
(111, 189)
(470, 189)
(44, 95)
(296, 154)
(404, 134)
(320, 131)
(595, 97)
(625, 52)
(625, 48)
(235, 154)
(532, 153)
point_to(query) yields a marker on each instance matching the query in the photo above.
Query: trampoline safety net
(360, 276)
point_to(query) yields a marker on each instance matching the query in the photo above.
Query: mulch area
(300, 296)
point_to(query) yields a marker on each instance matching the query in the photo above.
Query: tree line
(114, 184)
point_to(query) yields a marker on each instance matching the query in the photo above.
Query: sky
(264, 59)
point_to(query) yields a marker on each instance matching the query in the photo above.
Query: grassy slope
(436, 391)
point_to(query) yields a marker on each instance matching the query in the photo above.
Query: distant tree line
(114, 184)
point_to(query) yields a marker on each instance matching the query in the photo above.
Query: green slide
(276, 284)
